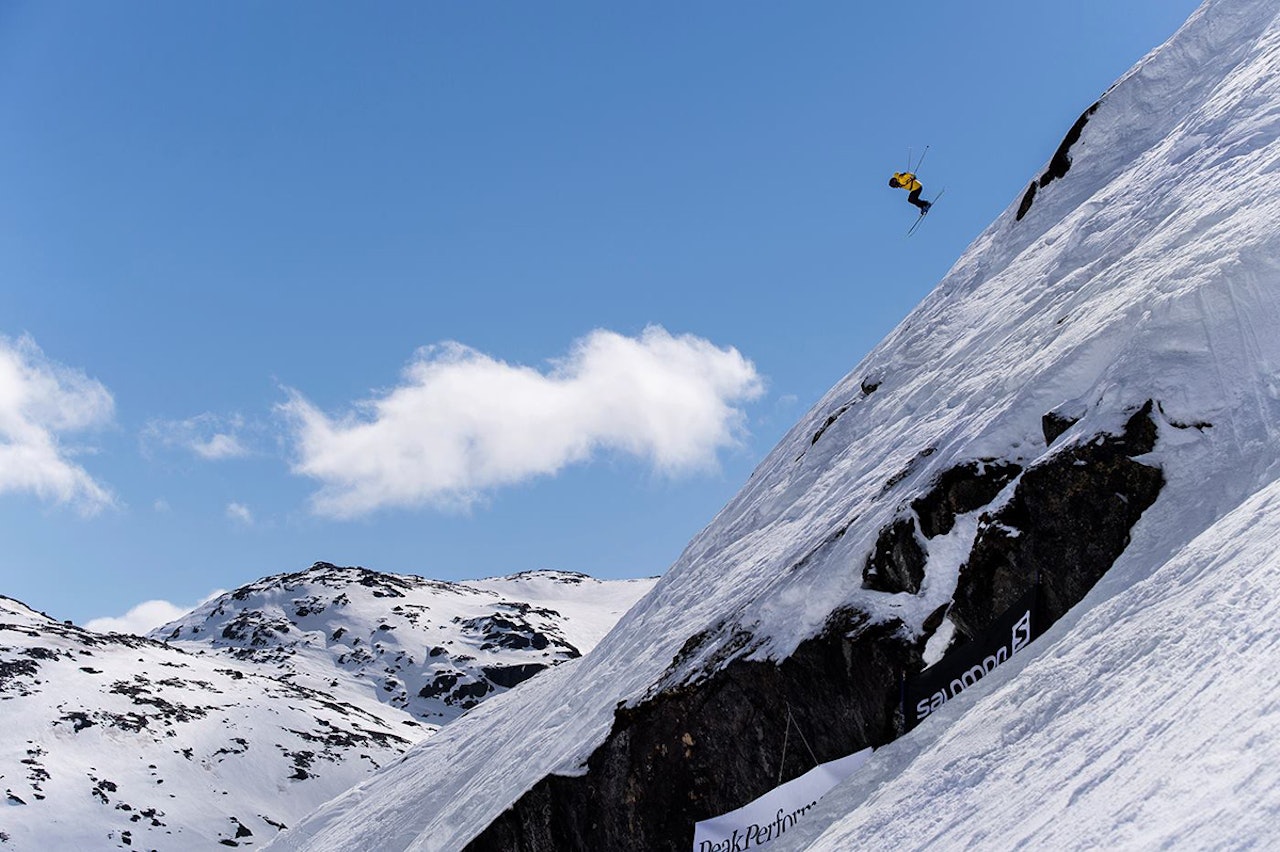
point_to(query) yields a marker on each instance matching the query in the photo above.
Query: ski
(920, 218)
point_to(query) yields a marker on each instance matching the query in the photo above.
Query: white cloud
(461, 422)
(240, 513)
(39, 401)
(144, 617)
(210, 436)
(219, 447)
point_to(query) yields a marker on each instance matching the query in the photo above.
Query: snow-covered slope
(263, 703)
(121, 742)
(429, 648)
(1094, 384)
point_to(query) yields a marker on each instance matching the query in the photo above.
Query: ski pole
(922, 154)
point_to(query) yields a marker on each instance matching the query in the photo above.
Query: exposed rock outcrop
(898, 561)
(1067, 522)
(710, 746)
(701, 749)
(959, 490)
(1059, 164)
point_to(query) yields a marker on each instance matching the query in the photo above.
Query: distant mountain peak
(430, 648)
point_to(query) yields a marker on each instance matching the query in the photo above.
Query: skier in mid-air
(907, 181)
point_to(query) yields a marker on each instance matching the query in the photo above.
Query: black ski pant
(914, 198)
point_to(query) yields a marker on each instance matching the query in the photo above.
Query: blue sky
(465, 289)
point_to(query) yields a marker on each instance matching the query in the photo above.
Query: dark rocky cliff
(704, 748)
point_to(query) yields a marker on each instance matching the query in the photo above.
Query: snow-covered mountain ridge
(264, 702)
(430, 648)
(1094, 384)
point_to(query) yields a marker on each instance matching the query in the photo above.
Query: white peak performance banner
(773, 814)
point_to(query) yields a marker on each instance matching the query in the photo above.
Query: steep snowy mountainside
(122, 742)
(1094, 384)
(429, 648)
(1145, 273)
(1152, 723)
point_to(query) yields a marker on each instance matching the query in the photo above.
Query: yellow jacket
(907, 181)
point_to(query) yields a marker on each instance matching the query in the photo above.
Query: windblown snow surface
(1150, 270)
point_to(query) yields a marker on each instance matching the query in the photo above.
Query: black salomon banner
(965, 665)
